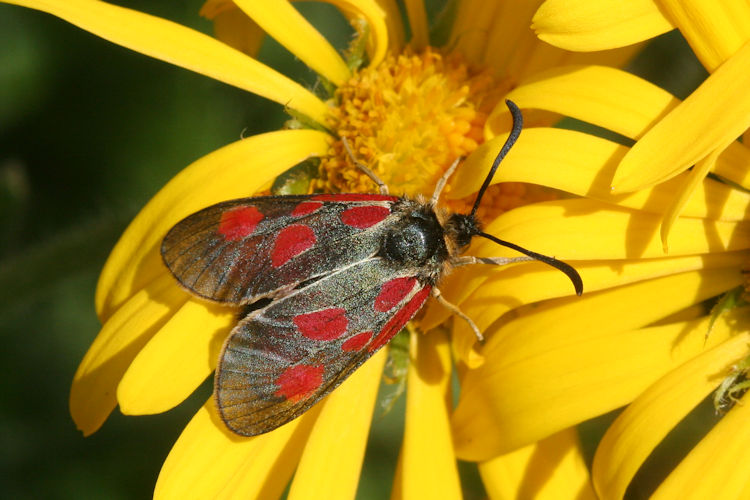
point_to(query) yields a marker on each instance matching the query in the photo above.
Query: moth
(326, 280)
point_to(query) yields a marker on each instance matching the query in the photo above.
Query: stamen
(407, 120)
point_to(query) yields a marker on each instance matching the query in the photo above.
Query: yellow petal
(604, 96)
(495, 35)
(732, 164)
(332, 459)
(618, 236)
(184, 47)
(181, 355)
(586, 229)
(233, 27)
(208, 461)
(383, 25)
(511, 46)
(712, 116)
(712, 468)
(583, 164)
(287, 26)
(474, 22)
(692, 180)
(637, 431)
(234, 171)
(420, 36)
(465, 346)
(212, 8)
(581, 357)
(92, 396)
(714, 30)
(615, 58)
(709, 199)
(512, 49)
(393, 23)
(458, 287)
(562, 159)
(455, 287)
(506, 289)
(551, 469)
(427, 465)
(581, 25)
(687, 314)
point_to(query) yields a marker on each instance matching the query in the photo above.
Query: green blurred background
(89, 131)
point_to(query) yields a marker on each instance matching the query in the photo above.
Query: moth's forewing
(241, 250)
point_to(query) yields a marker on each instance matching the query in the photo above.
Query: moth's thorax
(416, 239)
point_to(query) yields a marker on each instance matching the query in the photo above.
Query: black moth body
(327, 279)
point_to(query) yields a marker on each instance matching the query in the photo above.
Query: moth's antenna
(509, 142)
(562, 266)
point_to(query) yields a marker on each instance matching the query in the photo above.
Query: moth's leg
(455, 310)
(444, 180)
(369, 173)
(496, 261)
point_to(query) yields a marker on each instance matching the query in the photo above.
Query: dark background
(89, 131)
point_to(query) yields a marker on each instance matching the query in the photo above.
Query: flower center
(407, 120)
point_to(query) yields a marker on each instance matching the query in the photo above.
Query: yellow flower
(409, 112)
(658, 239)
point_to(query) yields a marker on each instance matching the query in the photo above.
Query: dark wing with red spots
(242, 250)
(282, 359)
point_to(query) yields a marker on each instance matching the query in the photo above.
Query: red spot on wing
(393, 292)
(291, 241)
(298, 382)
(239, 222)
(306, 208)
(327, 324)
(357, 342)
(354, 197)
(365, 216)
(397, 322)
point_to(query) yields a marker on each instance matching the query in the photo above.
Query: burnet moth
(327, 280)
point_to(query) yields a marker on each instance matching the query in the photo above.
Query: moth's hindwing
(282, 359)
(242, 250)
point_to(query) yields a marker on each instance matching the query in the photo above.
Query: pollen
(408, 120)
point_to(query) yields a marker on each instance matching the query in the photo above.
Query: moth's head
(460, 228)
